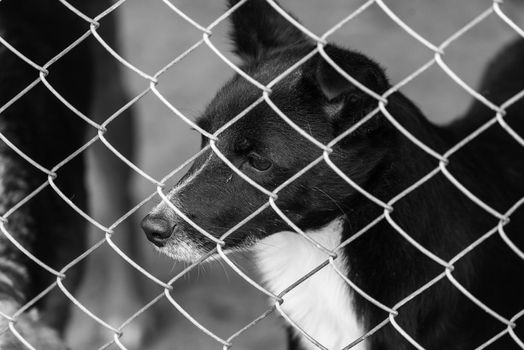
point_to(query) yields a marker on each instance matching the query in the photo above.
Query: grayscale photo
(261, 174)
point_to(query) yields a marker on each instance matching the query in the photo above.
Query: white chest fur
(322, 304)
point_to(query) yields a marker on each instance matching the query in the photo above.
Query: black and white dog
(381, 160)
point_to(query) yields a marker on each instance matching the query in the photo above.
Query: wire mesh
(331, 256)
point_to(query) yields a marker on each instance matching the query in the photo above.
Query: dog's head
(267, 149)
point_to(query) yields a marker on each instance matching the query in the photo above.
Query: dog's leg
(64, 239)
(17, 273)
(14, 273)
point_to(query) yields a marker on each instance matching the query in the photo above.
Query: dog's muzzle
(158, 229)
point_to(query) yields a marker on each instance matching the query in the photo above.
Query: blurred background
(149, 36)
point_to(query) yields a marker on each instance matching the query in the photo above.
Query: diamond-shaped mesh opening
(72, 89)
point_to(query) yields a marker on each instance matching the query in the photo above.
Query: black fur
(381, 160)
(47, 131)
(253, 43)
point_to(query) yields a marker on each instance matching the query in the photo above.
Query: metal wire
(154, 81)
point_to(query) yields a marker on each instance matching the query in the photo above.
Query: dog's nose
(157, 229)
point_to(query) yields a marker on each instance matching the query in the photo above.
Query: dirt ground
(151, 36)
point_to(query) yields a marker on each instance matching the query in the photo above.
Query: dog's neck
(321, 305)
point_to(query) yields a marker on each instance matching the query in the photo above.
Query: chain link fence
(42, 72)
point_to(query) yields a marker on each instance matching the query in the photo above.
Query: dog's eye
(258, 162)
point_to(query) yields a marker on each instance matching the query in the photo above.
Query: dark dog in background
(378, 158)
(46, 130)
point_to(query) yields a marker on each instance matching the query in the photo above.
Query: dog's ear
(258, 29)
(339, 96)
